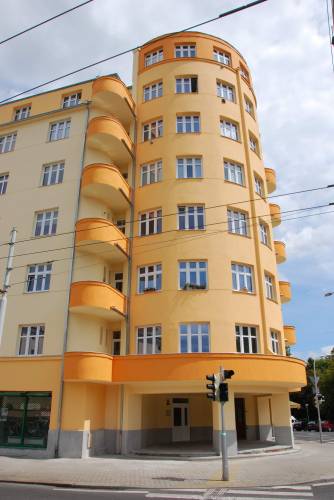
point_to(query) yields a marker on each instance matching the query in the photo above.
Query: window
(152, 130)
(119, 281)
(225, 91)
(152, 91)
(7, 143)
(149, 278)
(264, 233)
(120, 223)
(275, 347)
(31, 340)
(186, 85)
(253, 144)
(193, 275)
(53, 174)
(189, 168)
(154, 57)
(229, 129)
(46, 223)
(72, 100)
(233, 172)
(243, 72)
(151, 173)
(259, 188)
(149, 339)
(222, 57)
(270, 287)
(150, 222)
(39, 276)
(249, 106)
(22, 113)
(242, 278)
(185, 51)
(191, 217)
(3, 183)
(246, 339)
(194, 337)
(116, 343)
(59, 130)
(187, 124)
(237, 222)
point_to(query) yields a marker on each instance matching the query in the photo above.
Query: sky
(286, 45)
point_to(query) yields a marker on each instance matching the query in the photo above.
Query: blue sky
(286, 45)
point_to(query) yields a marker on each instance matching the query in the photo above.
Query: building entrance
(181, 428)
(240, 418)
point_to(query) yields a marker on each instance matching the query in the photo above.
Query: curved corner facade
(174, 268)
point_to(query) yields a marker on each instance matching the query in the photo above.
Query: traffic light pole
(317, 400)
(225, 469)
(6, 285)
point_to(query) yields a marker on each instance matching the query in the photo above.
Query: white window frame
(71, 100)
(121, 224)
(152, 130)
(152, 332)
(195, 211)
(187, 331)
(234, 172)
(22, 113)
(154, 57)
(222, 57)
(59, 130)
(184, 85)
(243, 72)
(242, 278)
(119, 281)
(264, 233)
(188, 124)
(196, 268)
(33, 339)
(189, 165)
(229, 129)
(116, 341)
(269, 282)
(53, 173)
(275, 342)
(185, 50)
(225, 91)
(249, 106)
(152, 274)
(259, 185)
(48, 220)
(152, 91)
(251, 336)
(150, 173)
(7, 143)
(40, 277)
(253, 144)
(3, 183)
(151, 222)
(238, 222)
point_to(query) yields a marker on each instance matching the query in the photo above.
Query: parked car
(326, 426)
(312, 426)
(299, 425)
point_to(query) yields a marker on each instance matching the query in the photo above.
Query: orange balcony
(102, 237)
(107, 134)
(275, 212)
(97, 299)
(280, 251)
(110, 93)
(106, 183)
(285, 291)
(271, 179)
(289, 334)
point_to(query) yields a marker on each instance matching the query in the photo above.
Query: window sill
(36, 291)
(235, 183)
(190, 289)
(151, 141)
(149, 292)
(230, 139)
(244, 292)
(242, 235)
(183, 133)
(153, 99)
(189, 178)
(274, 301)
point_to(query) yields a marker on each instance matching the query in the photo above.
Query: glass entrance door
(181, 428)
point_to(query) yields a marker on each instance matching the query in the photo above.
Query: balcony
(101, 237)
(271, 179)
(275, 213)
(285, 291)
(110, 93)
(97, 299)
(105, 183)
(107, 134)
(280, 251)
(289, 334)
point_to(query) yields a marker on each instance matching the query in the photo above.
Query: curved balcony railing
(275, 213)
(102, 237)
(105, 183)
(97, 299)
(110, 93)
(280, 251)
(270, 179)
(285, 291)
(289, 334)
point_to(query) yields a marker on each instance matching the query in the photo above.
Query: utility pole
(317, 399)
(225, 471)
(6, 285)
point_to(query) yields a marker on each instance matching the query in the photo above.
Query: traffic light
(213, 387)
(228, 374)
(319, 398)
(223, 392)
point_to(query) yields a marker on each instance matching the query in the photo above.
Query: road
(327, 437)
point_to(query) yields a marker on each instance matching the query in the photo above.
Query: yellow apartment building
(145, 259)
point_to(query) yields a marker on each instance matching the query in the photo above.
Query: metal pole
(307, 416)
(317, 400)
(225, 471)
(6, 285)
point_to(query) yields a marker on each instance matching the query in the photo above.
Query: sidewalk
(311, 463)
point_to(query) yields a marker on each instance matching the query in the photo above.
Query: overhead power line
(44, 22)
(128, 51)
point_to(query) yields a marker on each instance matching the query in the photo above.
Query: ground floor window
(24, 419)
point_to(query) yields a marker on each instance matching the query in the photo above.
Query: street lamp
(328, 294)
